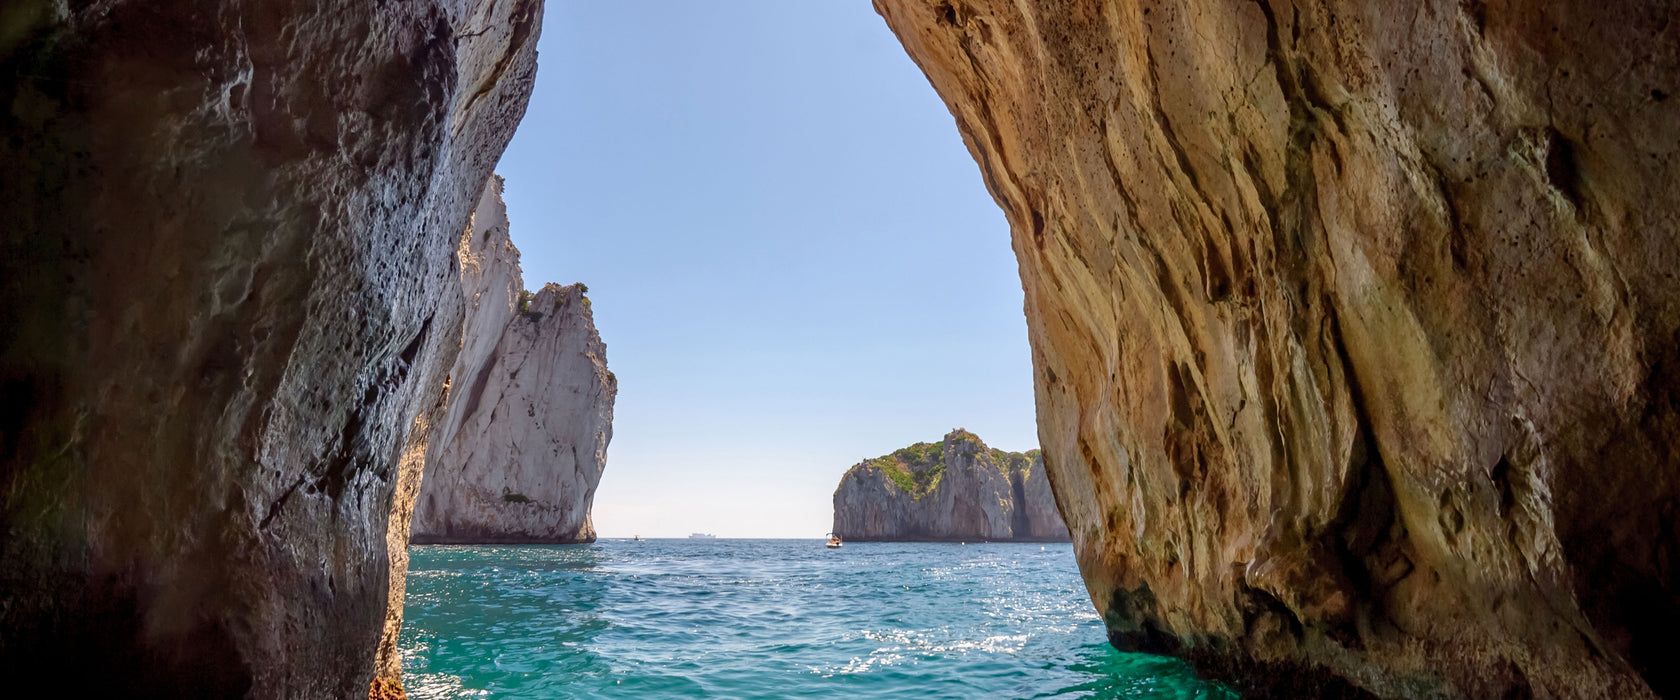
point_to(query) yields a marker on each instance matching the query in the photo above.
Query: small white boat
(833, 541)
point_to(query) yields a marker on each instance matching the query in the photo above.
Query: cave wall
(1354, 326)
(227, 303)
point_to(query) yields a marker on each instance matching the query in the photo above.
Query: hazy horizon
(791, 255)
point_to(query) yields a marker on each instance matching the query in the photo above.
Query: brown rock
(226, 297)
(1354, 326)
(956, 490)
(518, 455)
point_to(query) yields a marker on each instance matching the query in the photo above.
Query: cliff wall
(520, 450)
(227, 307)
(1354, 326)
(957, 489)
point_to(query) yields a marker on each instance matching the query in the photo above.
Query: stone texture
(227, 304)
(957, 489)
(522, 446)
(1035, 516)
(1354, 326)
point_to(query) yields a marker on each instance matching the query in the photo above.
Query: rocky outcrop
(520, 450)
(1035, 515)
(227, 303)
(1354, 326)
(956, 490)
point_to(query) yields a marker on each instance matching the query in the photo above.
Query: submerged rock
(521, 447)
(227, 303)
(957, 489)
(1355, 326)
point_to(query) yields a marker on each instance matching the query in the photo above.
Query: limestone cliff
(1354, 326)
(957, 489)
(520, 450)
(227, 306)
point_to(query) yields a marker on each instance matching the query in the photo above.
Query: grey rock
(524, 441)
(226, 296)
(957, 489)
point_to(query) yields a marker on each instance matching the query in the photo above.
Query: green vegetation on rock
(916, 469)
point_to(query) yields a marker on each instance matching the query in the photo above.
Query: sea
(723, 618)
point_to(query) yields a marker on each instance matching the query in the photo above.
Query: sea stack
(957, 489)
(521, 447)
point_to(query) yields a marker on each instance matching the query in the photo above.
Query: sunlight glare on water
(765, 619)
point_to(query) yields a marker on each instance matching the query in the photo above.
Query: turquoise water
(765, 619)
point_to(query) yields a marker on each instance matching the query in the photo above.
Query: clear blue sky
(791, 256)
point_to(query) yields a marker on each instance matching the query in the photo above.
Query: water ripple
(765, 619)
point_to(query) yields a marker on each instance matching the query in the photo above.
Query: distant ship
(702, 536)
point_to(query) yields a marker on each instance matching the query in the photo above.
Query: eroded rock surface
(1354, 326)
(957, 489)
(521, 448)
(227, 305)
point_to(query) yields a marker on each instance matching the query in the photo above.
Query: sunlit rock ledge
(954, 490)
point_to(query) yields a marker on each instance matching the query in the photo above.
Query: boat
(702, 536)
(637, 538)
(833, 541)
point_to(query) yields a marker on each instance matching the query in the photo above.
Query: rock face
(1354, 326)
(518, 454)
(957, 489)
(227, 307)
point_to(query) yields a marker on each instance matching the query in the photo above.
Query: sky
(790, 255)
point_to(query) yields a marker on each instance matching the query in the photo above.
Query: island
(957, 489)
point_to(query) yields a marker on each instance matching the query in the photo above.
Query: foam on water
(765, 619)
